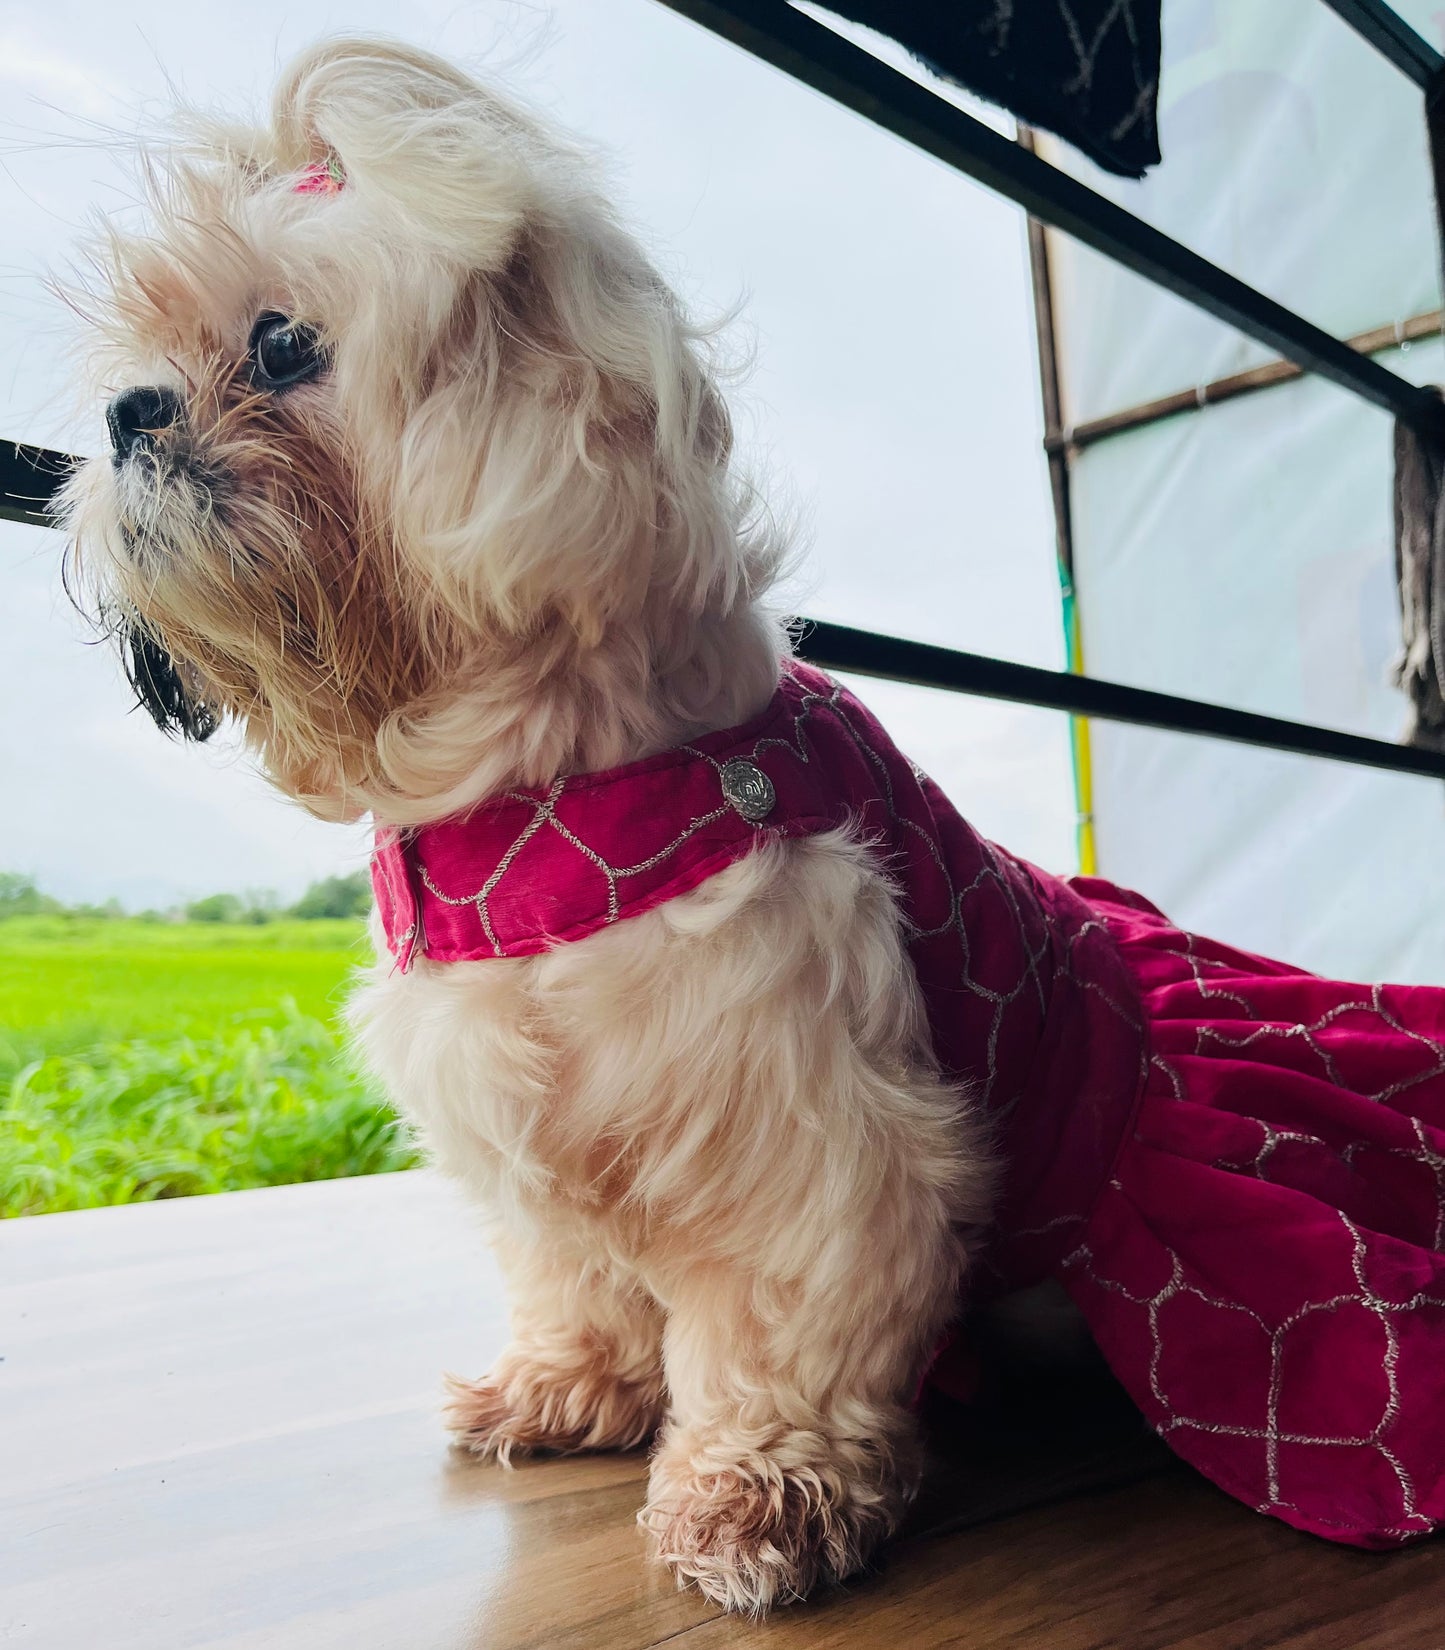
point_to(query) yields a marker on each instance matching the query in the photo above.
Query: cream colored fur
(500, 539)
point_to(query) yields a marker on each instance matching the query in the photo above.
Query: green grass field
(66, 983)
(144, 1060)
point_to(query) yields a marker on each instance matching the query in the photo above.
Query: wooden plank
(1168, 1565)
(218, 1431)
(218, 1428)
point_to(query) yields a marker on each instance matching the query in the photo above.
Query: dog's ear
(393, 121)
(160, 686)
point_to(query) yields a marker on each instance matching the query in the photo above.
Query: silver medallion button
(748, 788)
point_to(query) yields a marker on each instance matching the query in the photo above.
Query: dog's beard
(160, 688)
(158, 500)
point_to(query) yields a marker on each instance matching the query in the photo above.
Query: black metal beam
(29, 478)
(1392, 36)
(839, 647)
(823, 59)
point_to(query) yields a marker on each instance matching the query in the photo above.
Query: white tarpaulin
(1242, 553)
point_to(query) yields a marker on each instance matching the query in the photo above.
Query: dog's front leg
(584, 1367)
(820, 1255)
(465, 1053)
(791, 1450)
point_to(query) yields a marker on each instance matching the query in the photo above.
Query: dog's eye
(285, 352)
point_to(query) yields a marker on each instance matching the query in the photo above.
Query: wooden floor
(218, 1428)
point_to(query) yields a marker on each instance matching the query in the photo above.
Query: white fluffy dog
(420, 475)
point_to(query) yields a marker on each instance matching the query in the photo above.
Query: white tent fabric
(1242, 553)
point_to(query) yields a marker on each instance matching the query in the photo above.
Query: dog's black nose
(136, 415)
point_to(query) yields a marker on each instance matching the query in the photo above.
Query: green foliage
(111, 911)
(143, 1059)
(253, 907)
(19, 897)
(334, 898)
(255, 1104)
(348, 896)
(216, 908)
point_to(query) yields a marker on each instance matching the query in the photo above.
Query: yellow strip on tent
(1080, 749)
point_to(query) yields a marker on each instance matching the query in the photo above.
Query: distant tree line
(348, 896)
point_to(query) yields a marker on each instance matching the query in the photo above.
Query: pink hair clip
(324, 177)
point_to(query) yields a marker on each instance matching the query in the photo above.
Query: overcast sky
(894, 398)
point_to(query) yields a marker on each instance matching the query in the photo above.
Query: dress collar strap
(534, 868)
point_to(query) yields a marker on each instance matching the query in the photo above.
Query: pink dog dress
(1236, 1168)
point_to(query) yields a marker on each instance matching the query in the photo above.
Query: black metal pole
(29, 478)
(815, 54)
(839, 647)
(1392, 36)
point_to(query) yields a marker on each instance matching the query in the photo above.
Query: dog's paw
(758, 1534)
(528, 1405)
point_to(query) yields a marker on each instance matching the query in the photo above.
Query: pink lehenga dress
(1237, 1169)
